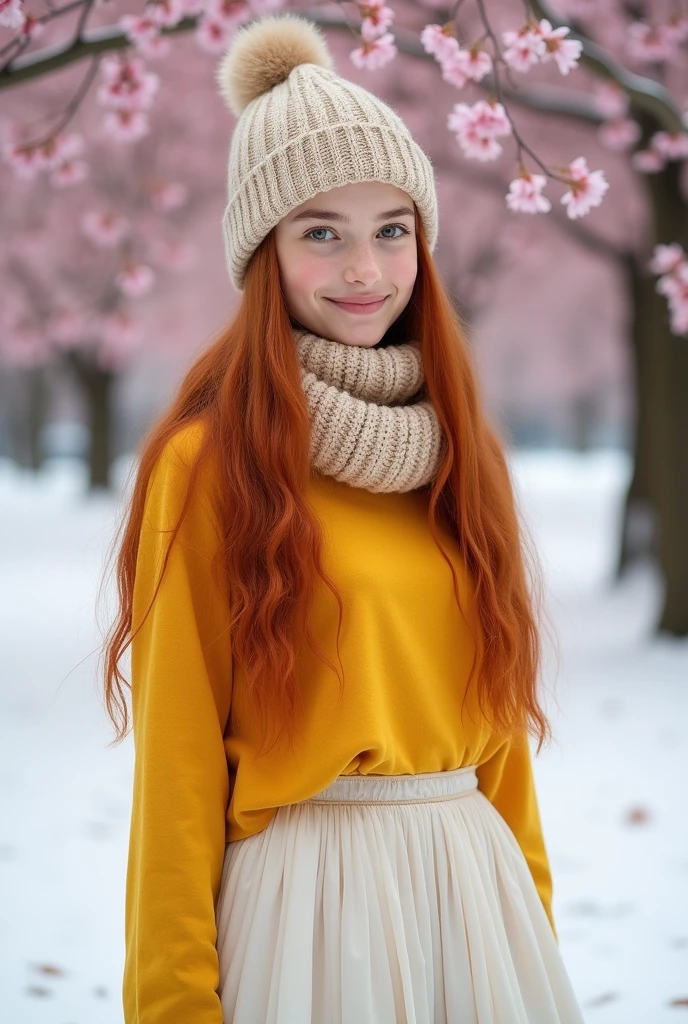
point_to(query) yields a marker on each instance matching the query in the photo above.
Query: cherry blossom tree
(128, 88)
(514, 55)
(81, 265)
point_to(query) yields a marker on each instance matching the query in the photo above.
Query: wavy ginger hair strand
(246, 389)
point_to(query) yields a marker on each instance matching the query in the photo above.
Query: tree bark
(97, 387)
(28, 416)
(667, 366)
(639, 529)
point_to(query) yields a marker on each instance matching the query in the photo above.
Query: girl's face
(353, 242)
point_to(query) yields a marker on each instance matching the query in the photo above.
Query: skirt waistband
(399, 789)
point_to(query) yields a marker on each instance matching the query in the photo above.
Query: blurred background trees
(114, 277)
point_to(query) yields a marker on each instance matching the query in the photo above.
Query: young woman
(334, 644)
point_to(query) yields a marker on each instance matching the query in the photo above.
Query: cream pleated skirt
(400, 899)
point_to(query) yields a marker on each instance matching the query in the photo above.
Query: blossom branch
(521, 145)
(645, 94)
(100, 41)
(73, 105)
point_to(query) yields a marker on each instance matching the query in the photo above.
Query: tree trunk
(669, 371)
(35, 415)
(639, 529)
(97, 386)
(673, 464)
(100, 417)
(28, 417)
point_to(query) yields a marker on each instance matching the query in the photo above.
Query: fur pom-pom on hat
(263, 53)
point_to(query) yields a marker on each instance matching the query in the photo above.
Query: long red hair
(246, 388)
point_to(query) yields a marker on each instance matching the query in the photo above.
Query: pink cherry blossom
(453, 72)
(105, 230)
(524, 195)
(676, 28)
(477, 64)
(57, 154)
(194, 7)
(523, 48)
(126, 125)
(620, 135)
(466, 65)
(610, 99)
(128, 86)
(679, 319)
(649, 44)
(145, 35)
(26, 161)
(648, 161)
(478, 127)
(11, 13)
(588, 190)
(438, 43)
(62, 148)
(138, 27)
(32, 27)
(376, 20)
(168, 195)
(674, 284)
(165, 13)
(565, 52)
(154, 47)
(666, 258)
(374, 53)
(671, 147)
(135, 279)
(232, 12)
(213, 34)
(71, 172)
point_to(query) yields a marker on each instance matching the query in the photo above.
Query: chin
(366, 343)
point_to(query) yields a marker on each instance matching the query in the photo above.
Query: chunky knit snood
(372, 425)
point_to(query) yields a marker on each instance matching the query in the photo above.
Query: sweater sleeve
(181, 693)
(507, 781)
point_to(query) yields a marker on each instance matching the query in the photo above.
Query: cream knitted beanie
(302, 130)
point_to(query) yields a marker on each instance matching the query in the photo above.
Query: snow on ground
(611, 799)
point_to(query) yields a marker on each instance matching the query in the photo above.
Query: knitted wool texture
(303, 130)
(365, 429)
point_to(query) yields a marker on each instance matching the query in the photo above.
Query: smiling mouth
(359, 307)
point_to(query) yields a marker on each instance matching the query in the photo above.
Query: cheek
(406, 269)
(304, 274)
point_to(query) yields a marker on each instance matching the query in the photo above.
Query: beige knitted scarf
(372, 425)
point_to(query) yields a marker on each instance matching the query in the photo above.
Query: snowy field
(612, 803)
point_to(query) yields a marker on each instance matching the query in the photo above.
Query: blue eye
(317, 229)
(403, 230)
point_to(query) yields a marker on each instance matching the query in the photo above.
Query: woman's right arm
(181, 693)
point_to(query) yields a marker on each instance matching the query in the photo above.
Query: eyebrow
(313, 214)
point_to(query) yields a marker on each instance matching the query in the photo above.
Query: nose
(362, 266)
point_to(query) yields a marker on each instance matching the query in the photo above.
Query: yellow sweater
(406, 653)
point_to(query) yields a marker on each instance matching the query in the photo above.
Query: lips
(361, 306)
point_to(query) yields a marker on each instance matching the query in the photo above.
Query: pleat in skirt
(387, 899)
